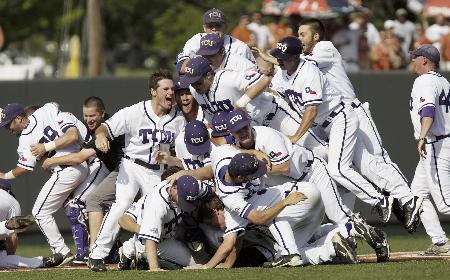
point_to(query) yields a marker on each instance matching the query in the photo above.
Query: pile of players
(237, 165)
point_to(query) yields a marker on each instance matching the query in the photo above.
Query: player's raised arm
(101, 139)
(70, 159)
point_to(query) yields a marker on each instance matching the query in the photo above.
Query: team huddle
(240, 162)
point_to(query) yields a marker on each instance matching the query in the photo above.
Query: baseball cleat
(124, 262)
(285, 261)
(80, 260)
(53, 260)
(97, 265)
(344, 253)
(68, 259)
(438, 250)
(19, 222)
(384, 208)
(382, 249)
(412, 211)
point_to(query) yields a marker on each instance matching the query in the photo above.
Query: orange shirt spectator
(242, 33)
(445, 52)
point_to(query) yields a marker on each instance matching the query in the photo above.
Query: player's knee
(311, 191)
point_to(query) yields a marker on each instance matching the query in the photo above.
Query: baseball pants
(13, 261)
(342, 132)
(131, 178)
(372, 159)
(432, 178)
(51, 198)
(319, 248)
(102, 197)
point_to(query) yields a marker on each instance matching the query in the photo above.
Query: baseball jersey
(190, 161)
(226, 89)
(330, 63)
(145, 132)
(431, 90)
(46, 124)
(230, 44)
(280, 149)
(237, 63)
(160, 214)
(307, 86)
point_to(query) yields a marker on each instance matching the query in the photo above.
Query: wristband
(243, 101)
(50, 146)
(9, 175)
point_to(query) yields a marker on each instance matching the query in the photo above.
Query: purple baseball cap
(188, 190)
(196, 138)
(237, 119)
(210, 44)
(428, 51)
(179, 88)
(246, 165)
(10, 112)
(219, 124)
(214, 15)
(288, 46)
(195, 69)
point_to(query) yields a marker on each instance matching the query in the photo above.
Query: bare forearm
(204, 173)
(264, 216)
(128, 224)
(308, 118)
(223, 251)
(101, 131)
(152, 254)
(71, 136)
(16, 172)
(259, 87)
(426, 123)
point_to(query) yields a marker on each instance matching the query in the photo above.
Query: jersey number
(444, 100)
(49, 135)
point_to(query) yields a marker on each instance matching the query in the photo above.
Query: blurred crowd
(362, 45)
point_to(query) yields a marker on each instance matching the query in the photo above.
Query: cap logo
(3, 116)
(220, 127)
(215, 14)
(282, 46)
(191, 198)
(235, 119)
(197, 140)
(189, 70)
(209, 43)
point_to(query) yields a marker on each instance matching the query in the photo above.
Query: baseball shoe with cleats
(53, 260)
(344, 253)
(68, 259)
(19, 222)
(293, 260)
(382, 249)
(438, 250)
(384, 208)
(412, 211)
(80, 260)
(124, 262)
(96, 265)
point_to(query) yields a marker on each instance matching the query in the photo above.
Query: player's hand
(294, 198)
(46, 163)
(421, 148)
(174, 177)
(102, 143)
(264, 158)
(294, 138)
(195, 266)
(2, 175)
(267, 57)
(165, 158)
(38, 150)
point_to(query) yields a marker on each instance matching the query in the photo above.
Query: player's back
(237, 63)
(330, 63)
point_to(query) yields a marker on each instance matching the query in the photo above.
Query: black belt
(333, 114)
(146, 164)
(440, 137)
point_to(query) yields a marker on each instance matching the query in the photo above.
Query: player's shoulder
(225, 150)
(324, 46)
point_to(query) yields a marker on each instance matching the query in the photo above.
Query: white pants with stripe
(432, 181)
(51, 198)
(343, 134)
(131, 178)
(373, 160)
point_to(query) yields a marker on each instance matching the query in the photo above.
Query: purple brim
(199, 149)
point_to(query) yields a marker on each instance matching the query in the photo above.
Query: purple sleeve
(427, 112)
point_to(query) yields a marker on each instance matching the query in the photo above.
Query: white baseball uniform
(9, 207)
(48, 124)
(161, 216)
(145, 134)
(370, 156)
(231, 45)
(307, 86)
(303, 166)
(265, 109)
(432, 173)
(241, 199)
(237, 63)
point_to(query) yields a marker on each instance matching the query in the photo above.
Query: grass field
(32, 245)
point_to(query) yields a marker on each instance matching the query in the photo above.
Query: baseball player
(429, 108)
(297, 163)
(370, 156)
(149, 126)
(311, 95)
(100, 165)
(226, 90)
(187, 104)
(214, 21)
(57, 131)
(211, 48)
(11, 223)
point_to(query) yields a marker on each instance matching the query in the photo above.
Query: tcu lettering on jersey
(157, 135)
(216, 106)
(193, 163)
